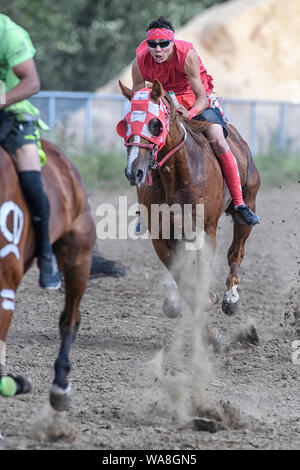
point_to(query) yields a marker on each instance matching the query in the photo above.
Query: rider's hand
(183, 112)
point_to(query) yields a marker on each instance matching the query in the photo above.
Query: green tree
(84, 43)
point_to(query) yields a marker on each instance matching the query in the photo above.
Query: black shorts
(14, 134)
(213, 115)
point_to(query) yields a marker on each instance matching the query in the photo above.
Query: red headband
(160, 33)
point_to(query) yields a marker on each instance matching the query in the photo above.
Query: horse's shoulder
(6, 162)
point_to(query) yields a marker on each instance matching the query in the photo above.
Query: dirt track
(121, 401)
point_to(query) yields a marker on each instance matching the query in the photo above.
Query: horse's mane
(193, 127)
(196, 129)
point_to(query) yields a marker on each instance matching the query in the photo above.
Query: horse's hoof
(230, 308)
(171, 308)
(60, 399)
(213, 300)
(216, 340)
(24, 384)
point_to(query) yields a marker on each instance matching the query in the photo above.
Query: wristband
(193, 112)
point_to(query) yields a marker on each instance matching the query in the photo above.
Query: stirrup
(249, 217)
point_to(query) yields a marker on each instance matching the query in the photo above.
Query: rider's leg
(27, 161)
(230, 171)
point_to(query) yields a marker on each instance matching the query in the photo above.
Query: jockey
(178, 67)
(19, 136)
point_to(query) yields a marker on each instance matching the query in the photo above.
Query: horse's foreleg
(172, 302)
(184, 285)
(11, 385)
(75, 255)
(204, 260)
(8, 287)
(6, 312)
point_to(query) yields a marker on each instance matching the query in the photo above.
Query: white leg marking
(7, 294)
(232, 296)
(8, 305)
(2, 353)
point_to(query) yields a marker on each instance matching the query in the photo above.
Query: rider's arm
(29, 83)
(192, 70)
(138, 81)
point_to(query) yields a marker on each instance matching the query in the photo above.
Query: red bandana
(139, 113)
(160, 33)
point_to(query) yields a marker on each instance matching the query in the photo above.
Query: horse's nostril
(139, 176)
(127, 173)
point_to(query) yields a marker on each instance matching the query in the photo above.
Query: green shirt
(15, 48)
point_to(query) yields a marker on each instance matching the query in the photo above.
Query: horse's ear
(126, 91)
(157, 90)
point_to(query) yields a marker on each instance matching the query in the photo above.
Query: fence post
(253, 129)
(51, 114)
(282, 127)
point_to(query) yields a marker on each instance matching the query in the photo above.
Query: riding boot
(37, 200)
(232, 177)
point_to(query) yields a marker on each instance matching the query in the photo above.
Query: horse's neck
(175, 173)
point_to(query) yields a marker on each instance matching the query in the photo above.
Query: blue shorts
(213, 115)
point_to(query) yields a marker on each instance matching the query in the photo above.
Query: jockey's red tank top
(171, 74)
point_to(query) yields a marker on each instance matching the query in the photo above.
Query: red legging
(232, 177)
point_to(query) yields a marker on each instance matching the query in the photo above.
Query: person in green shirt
(19, 136)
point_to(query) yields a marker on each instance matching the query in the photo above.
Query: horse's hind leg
(230, 304)
(235, 255)
(74, 252)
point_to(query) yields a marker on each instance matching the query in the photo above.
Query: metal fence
(90, 119)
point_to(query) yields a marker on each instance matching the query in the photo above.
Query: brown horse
(190, 175)
(73, 235)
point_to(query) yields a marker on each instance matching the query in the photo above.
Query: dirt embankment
(248, 47)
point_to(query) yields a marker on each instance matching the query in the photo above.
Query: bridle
(155, 165)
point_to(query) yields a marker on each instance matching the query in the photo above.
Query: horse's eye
(155, 127)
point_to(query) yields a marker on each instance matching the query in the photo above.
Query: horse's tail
(102, 267)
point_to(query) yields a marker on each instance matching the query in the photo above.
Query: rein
(159, 164)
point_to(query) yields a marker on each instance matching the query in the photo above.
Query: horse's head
(144, 128)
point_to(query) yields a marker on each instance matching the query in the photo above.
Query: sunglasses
(161, 44)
